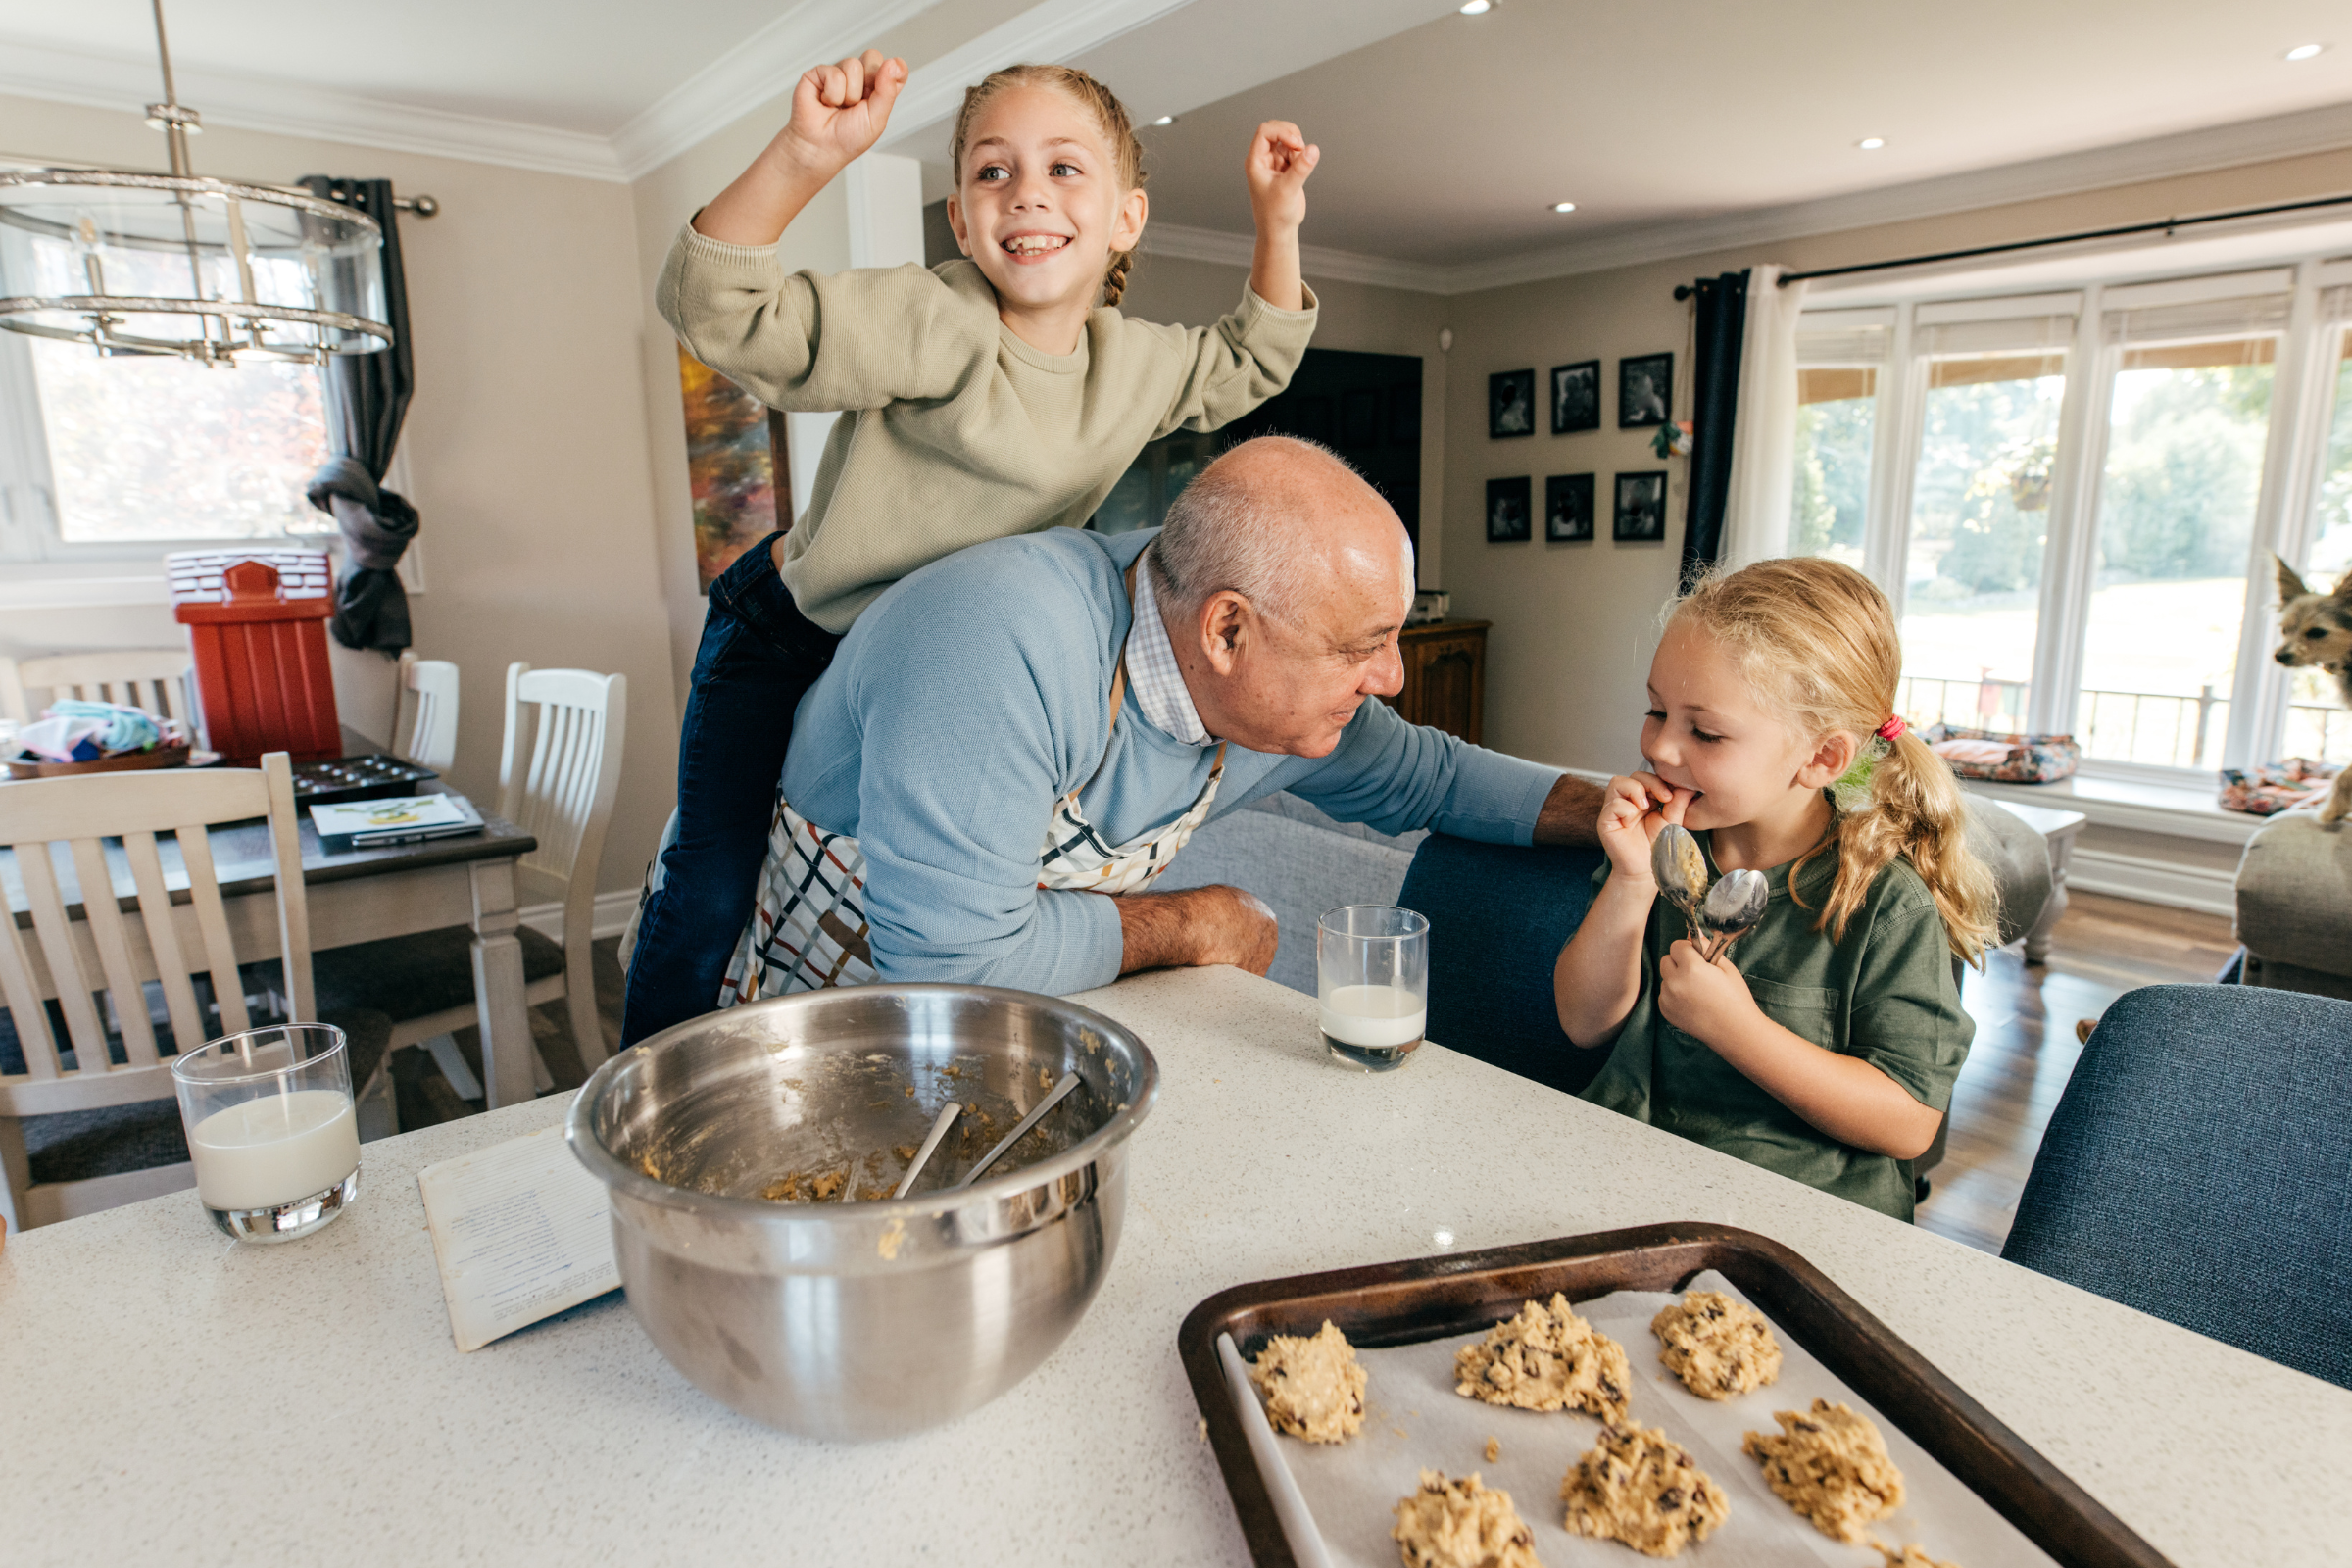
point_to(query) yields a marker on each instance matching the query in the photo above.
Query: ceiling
(1447, 144)
(1445, 141)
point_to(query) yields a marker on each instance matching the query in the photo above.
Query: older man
(1010, 734)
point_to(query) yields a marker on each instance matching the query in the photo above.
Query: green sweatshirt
(954, 431)
(1885, 994)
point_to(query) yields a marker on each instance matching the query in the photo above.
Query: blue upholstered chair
(2199, 1168)
(1498, 917)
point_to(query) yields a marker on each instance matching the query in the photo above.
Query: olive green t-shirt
(1885, 994)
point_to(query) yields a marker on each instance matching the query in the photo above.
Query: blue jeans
(759, 658)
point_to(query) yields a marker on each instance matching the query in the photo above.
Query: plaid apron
(808, 930)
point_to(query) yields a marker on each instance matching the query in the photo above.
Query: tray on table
(1423, 1299)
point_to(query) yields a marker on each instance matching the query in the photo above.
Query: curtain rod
(2164, 225)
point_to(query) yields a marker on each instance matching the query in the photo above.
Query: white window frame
(2285, 516)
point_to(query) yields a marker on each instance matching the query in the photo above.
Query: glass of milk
(271, 1129)
(1372, 979)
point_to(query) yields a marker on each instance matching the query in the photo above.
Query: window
(2071, 499)
(112, 457)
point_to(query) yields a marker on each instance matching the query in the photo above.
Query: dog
(2316, 629)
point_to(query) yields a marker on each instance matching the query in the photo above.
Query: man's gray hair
(1221, 534)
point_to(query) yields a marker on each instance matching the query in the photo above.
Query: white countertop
(170, 1396)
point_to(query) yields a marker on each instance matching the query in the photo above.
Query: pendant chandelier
(207, 269)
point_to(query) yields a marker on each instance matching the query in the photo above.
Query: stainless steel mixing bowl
(864, 1319)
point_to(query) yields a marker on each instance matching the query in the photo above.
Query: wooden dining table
(362, 896)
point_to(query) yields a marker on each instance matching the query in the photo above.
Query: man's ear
(1830, 761)
(1223, 620)
(2290, 586)
(964, 240)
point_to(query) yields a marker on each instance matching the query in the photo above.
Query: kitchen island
(170, 1396)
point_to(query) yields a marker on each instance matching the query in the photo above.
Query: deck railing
(2162, 729)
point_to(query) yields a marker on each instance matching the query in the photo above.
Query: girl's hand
(1277, 167)
(1705, 1000)
(1633, 808)
(839, 111)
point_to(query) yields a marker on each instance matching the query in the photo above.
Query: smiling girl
(1823, 1045)
(995, 395)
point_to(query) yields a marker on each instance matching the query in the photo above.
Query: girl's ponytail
(1820, 639)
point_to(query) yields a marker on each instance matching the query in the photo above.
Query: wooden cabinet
(1445, 676)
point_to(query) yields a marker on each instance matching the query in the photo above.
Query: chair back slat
(424, 726)
(212, 923)
(153, 678)
(23, 993)
(85, 1032)
(163, 940)
(293, 898)
(103, 915)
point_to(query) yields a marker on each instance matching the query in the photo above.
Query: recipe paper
(1413, 1419)
(521, 1231)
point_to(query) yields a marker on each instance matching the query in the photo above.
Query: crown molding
(128, 84)
(2252, 141)
(759, 70)
(1053, 33)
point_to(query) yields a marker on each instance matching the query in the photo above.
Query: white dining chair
(78, 989)
(153, 678)
(557, 776)
(424, 723)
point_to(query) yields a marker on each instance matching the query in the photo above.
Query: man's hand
(1570, 813)
(1705, 1000)
(1196, 928)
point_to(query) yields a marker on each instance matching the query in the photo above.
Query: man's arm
(1571, 813)
(1193, 928)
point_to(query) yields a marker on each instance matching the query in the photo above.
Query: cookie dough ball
(1314, 1387)
(1547, 1359)
(1719, 1348)
(1640, 1488)
(1460, 1524)
(1830, 1465)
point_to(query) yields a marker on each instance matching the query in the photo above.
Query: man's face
(1292, 687)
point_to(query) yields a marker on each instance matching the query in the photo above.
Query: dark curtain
(1721, 326)
(367, 398)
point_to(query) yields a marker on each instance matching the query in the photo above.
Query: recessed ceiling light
(1477, 8)
(2303, 51)
(1871, 144)
(1563, 207)
(1165, 120)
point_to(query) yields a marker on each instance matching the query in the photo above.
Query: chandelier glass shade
(176, 264)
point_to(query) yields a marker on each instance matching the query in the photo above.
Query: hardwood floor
(2025, 1048)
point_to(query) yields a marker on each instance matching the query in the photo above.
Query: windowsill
(83, 584)
(2180, 812)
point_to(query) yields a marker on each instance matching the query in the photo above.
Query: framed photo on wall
(1508, 513)
(1511, 404)
(1568, 507)
(1645, 390)
(1641, 507)
(1575, 397)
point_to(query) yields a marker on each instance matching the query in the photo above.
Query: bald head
(1289, 528)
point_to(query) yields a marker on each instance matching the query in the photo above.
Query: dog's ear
(2342, 592)
(2290, 586)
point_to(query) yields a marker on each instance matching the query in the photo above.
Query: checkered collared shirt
(1152, 668)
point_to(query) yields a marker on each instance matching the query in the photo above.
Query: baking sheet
(1413, 1419)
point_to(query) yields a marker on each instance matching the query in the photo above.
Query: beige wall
(1575, 623)
(524, 444)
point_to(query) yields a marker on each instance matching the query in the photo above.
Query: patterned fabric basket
(1989, 755)
(2276, 787)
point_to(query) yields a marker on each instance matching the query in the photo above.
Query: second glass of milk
(1372, 981)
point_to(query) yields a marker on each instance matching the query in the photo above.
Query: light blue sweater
(974, 694)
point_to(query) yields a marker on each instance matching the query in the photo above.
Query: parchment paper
(1414, 1419)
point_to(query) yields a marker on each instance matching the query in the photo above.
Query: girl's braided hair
(1111, 116)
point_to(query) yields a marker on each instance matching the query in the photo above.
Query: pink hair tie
(1893, 726)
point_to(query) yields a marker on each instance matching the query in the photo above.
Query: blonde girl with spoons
(997, 394)
(1823, 1044)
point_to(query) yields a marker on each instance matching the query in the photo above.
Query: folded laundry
(77, 731)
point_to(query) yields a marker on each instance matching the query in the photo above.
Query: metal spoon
(939, 1129)
(1681, 872)
(1731, 909)
(1053, 1097)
